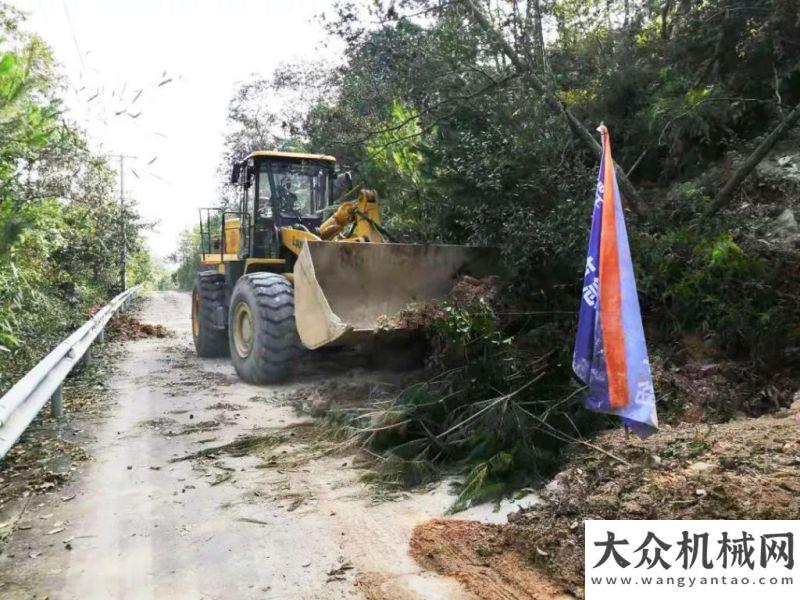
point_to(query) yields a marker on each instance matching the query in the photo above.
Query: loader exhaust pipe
(343, 290)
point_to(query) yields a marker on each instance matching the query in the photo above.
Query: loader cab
(280, 190)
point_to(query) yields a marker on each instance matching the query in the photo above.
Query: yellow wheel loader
(276, 276)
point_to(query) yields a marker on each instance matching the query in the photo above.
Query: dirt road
(280, 520)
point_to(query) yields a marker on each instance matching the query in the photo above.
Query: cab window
(301, 188)
(264, 193)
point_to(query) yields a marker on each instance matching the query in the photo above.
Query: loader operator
(286, 197)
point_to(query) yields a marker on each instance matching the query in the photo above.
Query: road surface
(282, 519)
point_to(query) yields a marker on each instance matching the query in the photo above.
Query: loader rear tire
(209, 326)
(264, 344)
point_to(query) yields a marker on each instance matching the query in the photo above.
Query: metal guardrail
(20, 405)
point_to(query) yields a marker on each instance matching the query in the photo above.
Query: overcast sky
(199, 50)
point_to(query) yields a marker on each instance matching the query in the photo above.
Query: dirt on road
(476, 555)
(201, 486)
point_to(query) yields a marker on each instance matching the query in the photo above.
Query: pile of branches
(493, 409)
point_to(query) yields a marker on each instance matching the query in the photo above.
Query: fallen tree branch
(725, 195)
(558, 434)
(636, 163)
(490, 404)
(552, 101)
(385, 427)
(238, 447)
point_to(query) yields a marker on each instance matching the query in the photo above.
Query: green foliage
(142, 268)
(479, 485)
(60, 239)
(434, 117)
(187, 257)
(734, 296)
(393, 160)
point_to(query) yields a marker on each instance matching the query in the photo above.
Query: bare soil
(479, 556)
(744, 469)
(707, 391)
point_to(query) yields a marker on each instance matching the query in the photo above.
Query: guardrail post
(56, 404)
(101, 337)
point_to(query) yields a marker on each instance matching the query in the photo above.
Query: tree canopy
(60, 242)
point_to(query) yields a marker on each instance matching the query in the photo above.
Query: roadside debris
(127, 327)
(240, 447)
(332, 396)
(222, 478)
(338, 573)
(226, 406)
(251, 520)
(746, 469)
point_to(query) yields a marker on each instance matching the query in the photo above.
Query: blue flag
(610, 350)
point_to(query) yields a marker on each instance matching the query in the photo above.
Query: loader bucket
(346, 291)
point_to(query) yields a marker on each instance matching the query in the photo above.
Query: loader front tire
(209, 326)
(264, 344)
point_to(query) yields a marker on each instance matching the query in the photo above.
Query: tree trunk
(539, 35)
(725, 195)
(577, 128)
(664, 14)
